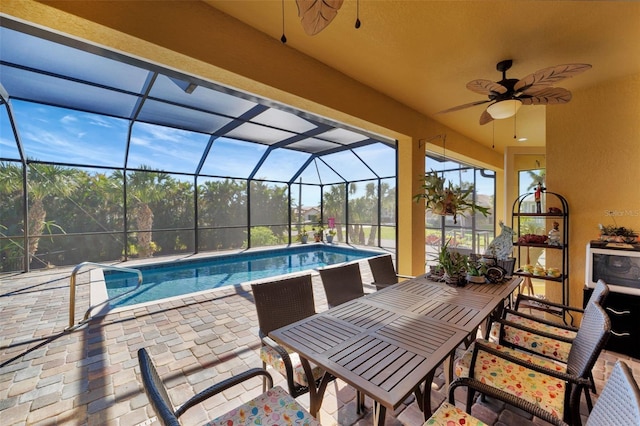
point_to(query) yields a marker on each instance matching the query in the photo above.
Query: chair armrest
(490, 391)
(522, 297)
(478, 345)
(268, 341)
(538, 319)
(222, 386)
(552, 336)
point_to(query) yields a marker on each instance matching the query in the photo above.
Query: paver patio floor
(90, 376)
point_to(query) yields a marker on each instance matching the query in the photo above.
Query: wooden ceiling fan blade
(486, 87)
(485, 118)
(459, 107)
(316, 15)
(549, 76)
(546, 96)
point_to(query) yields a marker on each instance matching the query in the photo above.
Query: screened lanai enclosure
(106, 157)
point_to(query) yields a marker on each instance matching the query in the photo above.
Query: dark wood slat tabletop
(386, 343)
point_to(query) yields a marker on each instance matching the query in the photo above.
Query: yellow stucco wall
(593, 159)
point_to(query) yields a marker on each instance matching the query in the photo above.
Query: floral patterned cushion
(270, 357)
(533, 342)
(537, 388)
(449, 415)
(274, 407)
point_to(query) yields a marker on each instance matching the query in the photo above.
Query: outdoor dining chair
(278, 303)
(554, 386)
(618, 404)
(342, 283)
(383, 271)
(544, 337)
(274, 407)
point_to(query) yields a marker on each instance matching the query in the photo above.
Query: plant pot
(330, 239)
(452, 279)
(477, 279)
(304, 239)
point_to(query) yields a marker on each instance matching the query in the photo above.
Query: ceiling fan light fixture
(504, 109)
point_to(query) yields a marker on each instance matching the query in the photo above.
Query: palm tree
(143, 188)
(44, 181)
(371, 199)
(222, 203)
(354, 214)
(10, 189)
(536, 176)
(333, 204)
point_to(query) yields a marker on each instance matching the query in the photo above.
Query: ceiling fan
(509, 94)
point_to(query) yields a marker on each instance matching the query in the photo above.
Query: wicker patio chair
(342, 283)
(383, 271)
(541, 336)
(279, 303)
(270, 408)
(619, 403)
(559, 308)
(522, 373)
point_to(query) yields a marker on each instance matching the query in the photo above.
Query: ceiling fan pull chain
(514, 125)
(358, 14)
(493, 139)
(283, 39)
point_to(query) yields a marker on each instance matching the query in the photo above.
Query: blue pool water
(165, 280)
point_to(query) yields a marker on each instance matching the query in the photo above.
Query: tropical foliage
(78, 214)
(442, 197)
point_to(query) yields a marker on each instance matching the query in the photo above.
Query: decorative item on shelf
(501, 247)
(554, 235)
(527, 269)
(303, 236)
(555, 210)
(554, 272)
(532, 239)
(538, 196)
(618, 234)
(444, 198)
(453, 264)
(539, 271)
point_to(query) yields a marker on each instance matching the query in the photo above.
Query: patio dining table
(387, 343)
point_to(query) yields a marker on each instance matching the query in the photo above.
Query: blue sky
(69, 136)
(75, 137)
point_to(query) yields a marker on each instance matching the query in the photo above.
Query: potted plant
(476, 271)
(331, 232)
(447, 199)
(303, 236)
(453, 264)
(618, 234)
(317, 233)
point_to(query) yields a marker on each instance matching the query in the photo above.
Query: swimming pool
(171, 279)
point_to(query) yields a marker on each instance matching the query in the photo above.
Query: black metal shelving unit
(562, 217)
